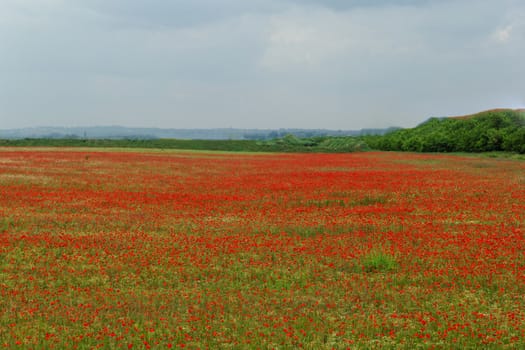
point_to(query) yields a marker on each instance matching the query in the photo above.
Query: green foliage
(5, 224)
(288, 143)
(328, 144)
(495, 130)
(379, 262)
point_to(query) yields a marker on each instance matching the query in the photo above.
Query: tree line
(494, 130)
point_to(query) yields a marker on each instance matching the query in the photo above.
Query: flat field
(103, 249)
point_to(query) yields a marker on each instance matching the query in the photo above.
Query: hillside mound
(492, 130)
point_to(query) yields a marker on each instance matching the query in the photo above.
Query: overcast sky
(333, 64)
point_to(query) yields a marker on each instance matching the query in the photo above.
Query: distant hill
(491, 111)
(119, 133)
(492, 130)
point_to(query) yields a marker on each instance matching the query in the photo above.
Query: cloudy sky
(334, 64)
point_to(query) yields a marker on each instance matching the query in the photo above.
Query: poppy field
(196, 250)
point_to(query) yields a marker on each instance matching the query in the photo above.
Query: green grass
(379, 262)
(5, 224)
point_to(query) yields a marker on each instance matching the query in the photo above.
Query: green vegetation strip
(288, 143)
(490, 131)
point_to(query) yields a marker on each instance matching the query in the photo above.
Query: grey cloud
(350, 4)
(177, 13)
(76, 44)
(266, 63)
